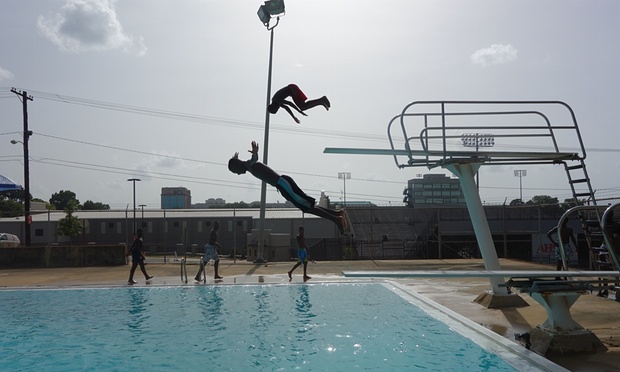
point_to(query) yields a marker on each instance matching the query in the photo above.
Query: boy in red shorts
(301, 103)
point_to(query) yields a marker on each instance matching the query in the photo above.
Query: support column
(465, 172)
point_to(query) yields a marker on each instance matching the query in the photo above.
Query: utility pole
(27, 133)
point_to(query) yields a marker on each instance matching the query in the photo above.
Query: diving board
(478, 274)
(475, 155)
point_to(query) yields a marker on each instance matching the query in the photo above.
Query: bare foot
(306, 277)
(290, 276)
(218, 277)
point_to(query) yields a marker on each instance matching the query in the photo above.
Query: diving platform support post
(498, 296)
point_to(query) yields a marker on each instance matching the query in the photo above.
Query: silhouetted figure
(287, 187)
(211, 253)
(302, 255)
(301, 103)
(137, 258)
(566, 235)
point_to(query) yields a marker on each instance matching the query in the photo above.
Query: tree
(12, 203)
(543, 200)
(515, 202)
(69, 225)
(61, 199)
(11, 208)
(95, 206)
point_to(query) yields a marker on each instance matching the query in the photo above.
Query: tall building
(433, 189)
(175, 198)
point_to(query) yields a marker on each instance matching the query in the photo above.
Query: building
(210, 203)
(175, 198)
(433, 189)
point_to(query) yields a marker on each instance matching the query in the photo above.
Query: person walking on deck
(211, 253)
(302, 255)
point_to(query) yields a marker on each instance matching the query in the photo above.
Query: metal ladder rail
(576, 209)
(183, 271)
(203, 266)
(609, 242)
(583, 179)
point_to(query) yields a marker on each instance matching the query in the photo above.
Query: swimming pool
(332, 326)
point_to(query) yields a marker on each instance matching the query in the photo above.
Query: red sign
(29, 220)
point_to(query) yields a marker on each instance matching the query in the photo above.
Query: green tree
(60, 200)
(11, 208)
(543, 200)
(12, 203)
(95, 206)
(69, 225)
(515, 202)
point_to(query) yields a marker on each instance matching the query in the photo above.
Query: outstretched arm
(254, 152)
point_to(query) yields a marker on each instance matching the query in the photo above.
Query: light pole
(271, 8)
(142, 218)
(344, 176)
(134, 202)
(478, 140)
(520, 173)
(27, 133)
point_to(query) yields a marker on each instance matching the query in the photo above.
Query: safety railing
(183, 271)
(542, 132)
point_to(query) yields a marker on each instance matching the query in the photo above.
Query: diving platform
(433, 134)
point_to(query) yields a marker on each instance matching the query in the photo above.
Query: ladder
(578, 176)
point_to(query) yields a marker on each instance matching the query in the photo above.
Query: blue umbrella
(7, 185)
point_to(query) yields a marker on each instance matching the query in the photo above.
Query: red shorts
(298, 96)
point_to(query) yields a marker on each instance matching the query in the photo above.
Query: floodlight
(275, 7)
(263, 15)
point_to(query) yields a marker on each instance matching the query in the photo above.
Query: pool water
(317, 327)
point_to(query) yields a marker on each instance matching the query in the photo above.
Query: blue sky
(167, 91)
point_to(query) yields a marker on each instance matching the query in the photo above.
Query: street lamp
(520, 173)
(134, 202)
(478, 140)
(344, 176)
(271, 8)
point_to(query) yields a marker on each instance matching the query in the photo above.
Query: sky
(168, 90)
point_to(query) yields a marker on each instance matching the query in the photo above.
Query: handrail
(596, 208)
(611, 247)
(450, 118)
(203, 266)
(183, 271)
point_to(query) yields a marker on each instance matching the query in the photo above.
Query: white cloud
(85, 25)
(495, 54)
(5, 74)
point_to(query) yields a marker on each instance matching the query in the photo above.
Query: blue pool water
(336, 327)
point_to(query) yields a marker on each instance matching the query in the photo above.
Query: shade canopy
(7, 185)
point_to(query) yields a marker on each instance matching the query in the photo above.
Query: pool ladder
(183, 271)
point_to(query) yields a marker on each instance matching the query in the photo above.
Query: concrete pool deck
(600, 315)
